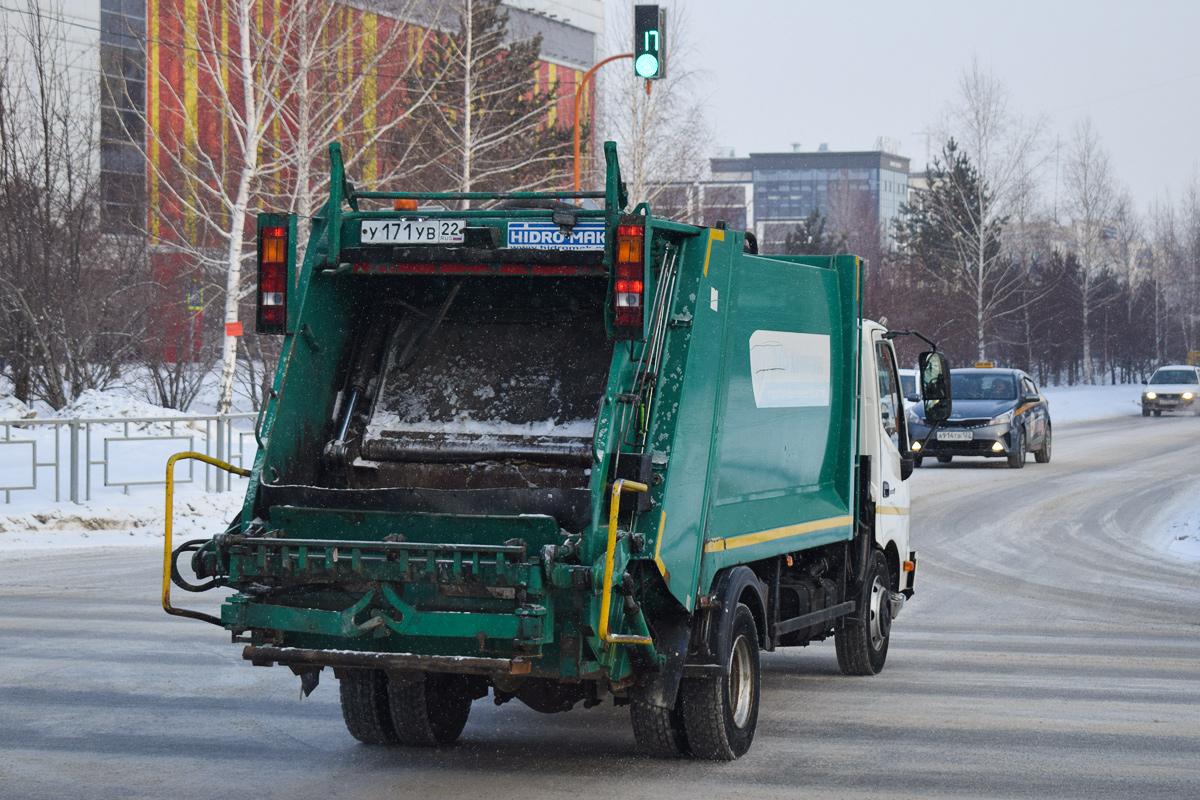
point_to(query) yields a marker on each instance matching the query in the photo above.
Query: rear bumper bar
(463, 665)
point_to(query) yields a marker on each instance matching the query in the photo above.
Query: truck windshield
(974, 386)
(1174, 376)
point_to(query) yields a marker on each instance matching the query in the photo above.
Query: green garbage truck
(564, 453)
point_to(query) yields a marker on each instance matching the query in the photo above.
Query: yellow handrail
(614, 507)
(167, 552)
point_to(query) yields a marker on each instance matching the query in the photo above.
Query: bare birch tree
(661, 131)
(72, 305)
(1006, 151)
(281, 92)
(489, 124)
(1091, 202)
(362, 107)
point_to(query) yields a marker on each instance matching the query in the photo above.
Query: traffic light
(649, 42)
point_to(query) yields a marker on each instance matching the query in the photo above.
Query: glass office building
(853, 190)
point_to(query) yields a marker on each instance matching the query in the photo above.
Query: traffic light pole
(579, 100)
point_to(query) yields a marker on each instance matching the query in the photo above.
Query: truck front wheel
(721, 712)
(862, 638)
(429, 708)
(364, 694)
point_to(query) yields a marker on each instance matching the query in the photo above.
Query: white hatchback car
(1174, 387)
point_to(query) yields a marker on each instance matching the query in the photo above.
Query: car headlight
(1188, 395)
(1151, 395)
(1002, 419)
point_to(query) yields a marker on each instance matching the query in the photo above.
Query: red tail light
(629, 286)
(272, 278)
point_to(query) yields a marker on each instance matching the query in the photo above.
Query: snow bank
(66, 525)
(94, 404)
(12, 408)
(1179, 524)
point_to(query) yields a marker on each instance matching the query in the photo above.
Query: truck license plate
(429, 231)
(955, 436)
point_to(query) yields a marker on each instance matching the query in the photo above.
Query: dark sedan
(998, 413)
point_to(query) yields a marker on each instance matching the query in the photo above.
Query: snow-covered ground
(1088, 403)
(34, 521)
(1180, 526)
(115, 515)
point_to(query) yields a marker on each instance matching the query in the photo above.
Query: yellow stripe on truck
(894, 510)
(718, 235)
(717, 545)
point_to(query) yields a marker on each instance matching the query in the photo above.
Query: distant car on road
(1174, 387)
(998, 413)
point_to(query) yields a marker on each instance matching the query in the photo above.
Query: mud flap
(714, 632)
(659, 688)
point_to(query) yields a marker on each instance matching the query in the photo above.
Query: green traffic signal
(646, 66)
(649, 42)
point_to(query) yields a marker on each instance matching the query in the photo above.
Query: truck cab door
(891, 492)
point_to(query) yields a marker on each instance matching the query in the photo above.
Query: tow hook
(897, 601)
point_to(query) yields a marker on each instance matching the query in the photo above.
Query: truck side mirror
(935, 385)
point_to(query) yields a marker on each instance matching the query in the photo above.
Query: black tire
(1158, 412)
(945, 459)
(1145, 411)
(917, 462)
(1042, 454)
(364, 694)
(861, 640)
(1016, 459)
(660, 732)
(721, 712)
(429, 708)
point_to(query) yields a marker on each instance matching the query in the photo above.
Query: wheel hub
(880, 613)
(741, 682)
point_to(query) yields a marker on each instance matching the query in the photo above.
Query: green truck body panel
(744, 431)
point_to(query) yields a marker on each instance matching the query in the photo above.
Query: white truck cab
(883, 442)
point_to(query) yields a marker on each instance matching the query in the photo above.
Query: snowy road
(1052, 650)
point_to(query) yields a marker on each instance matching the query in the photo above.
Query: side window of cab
(889, 392)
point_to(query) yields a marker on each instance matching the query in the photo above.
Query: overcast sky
(848, 71)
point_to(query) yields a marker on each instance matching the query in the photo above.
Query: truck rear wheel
(659, 731)
(721, 712)
(429, 708)
(364, 694)
(862, 638)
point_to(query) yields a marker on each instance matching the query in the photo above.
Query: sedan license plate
(955, 436)
(428, 231)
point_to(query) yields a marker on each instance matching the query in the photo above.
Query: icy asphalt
(1052, 650)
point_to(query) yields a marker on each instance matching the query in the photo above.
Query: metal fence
(121, 452)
